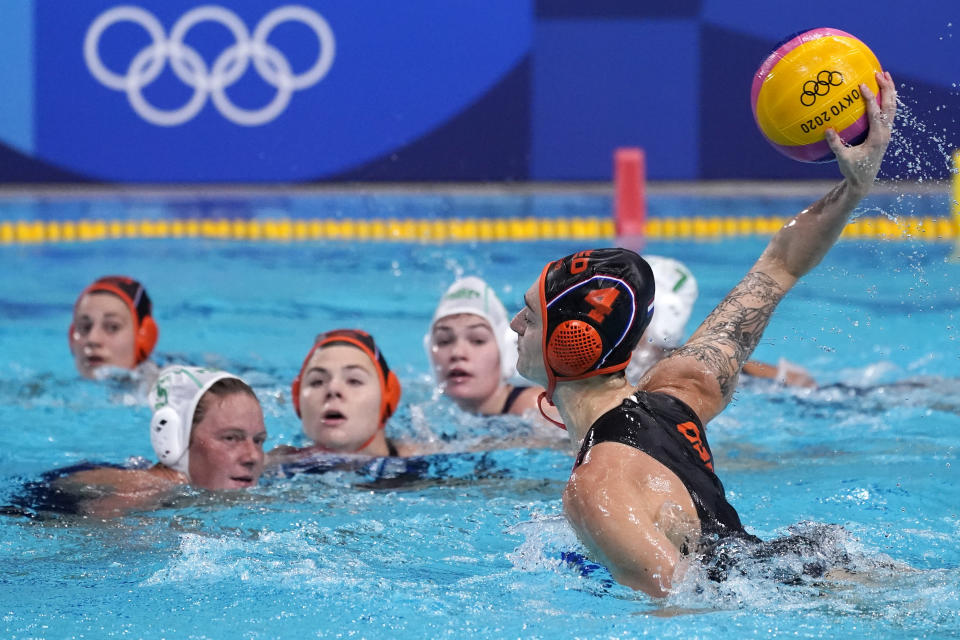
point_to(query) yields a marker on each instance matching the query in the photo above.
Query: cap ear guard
(573, 348)
(391, 397)
(166, 436)
(295, 385)
(295, 394)
(146, 338)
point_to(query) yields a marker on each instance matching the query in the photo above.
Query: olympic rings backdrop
(188, 91)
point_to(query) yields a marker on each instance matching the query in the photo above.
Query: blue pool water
(475, 545)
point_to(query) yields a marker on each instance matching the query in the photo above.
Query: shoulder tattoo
(734, 327)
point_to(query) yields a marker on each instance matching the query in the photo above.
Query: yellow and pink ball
(811, 83)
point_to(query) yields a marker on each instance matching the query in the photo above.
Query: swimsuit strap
(511, 398)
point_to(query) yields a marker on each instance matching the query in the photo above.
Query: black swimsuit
(511, 398)
(669, 431)
(43, 497)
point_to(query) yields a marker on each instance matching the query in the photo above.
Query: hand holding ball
(811, 83)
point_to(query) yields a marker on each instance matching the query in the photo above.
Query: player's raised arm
(704, 372)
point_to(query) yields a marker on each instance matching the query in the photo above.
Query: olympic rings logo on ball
(190, 67)
(820, 86)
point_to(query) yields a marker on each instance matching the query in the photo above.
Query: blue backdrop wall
(178, 91)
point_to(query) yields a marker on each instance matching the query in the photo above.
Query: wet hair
(221, 389)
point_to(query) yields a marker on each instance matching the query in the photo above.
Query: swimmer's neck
(581, 402)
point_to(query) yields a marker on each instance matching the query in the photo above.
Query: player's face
(528, 325)
(340, 398)
(226, 446)
(466, 357)
(103, 333)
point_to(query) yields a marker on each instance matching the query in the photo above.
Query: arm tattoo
(832, 196)
(732, 330)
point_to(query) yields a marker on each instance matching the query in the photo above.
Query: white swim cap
(473, 295)
(676, 292)
(174, 398)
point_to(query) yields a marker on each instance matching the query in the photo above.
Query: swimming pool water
(474, 545)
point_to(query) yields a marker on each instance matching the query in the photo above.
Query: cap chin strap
(551, 377)
(367, 443)
(543, 396)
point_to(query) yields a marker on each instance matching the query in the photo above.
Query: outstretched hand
(860, 164)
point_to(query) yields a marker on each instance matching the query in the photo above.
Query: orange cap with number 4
(596, 305)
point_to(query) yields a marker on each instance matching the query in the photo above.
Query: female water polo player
(207, 430)
(112, 326)
(343, 395)
(643, 493)
(473, 352)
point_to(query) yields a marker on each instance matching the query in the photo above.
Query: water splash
(437, 425)
(545, 539)
(813, 565)
(918, 155)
